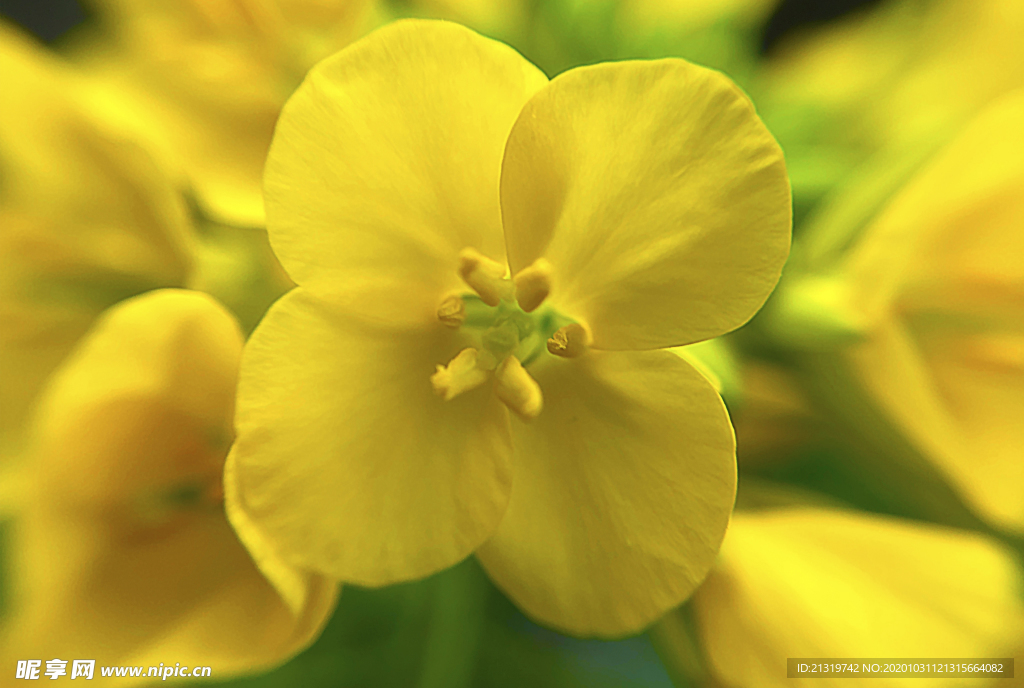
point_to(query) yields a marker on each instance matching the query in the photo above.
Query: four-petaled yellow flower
(937, 279)
(121, 550)
(809, 582)
(636, 206)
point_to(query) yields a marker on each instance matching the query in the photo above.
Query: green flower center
(506, 330)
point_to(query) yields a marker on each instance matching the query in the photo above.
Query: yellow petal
(815, 583)
(298, 587)
(958, 220)
(87, 219)
(147, 395)
(938, 274)
(622, 491)
(658, 197)
(203, 81)
(982, 378)
(98, 199)
(385, 165)
(188, 594)
(960, 403)
(123, 552)
(348, 462)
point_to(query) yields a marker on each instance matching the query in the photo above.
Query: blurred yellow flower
(905, 74)
(636, 205)
(804, 582)
(122, 551)
(937, 282)
(204, 81)
(86, 219)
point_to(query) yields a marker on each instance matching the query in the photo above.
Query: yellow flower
(804, 582)
(204, 80)
(122, 551)
(905, 74)
(937, 284)
(86, 219)
(908, 69)
(636, 205)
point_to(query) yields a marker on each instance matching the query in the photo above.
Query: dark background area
(49, 19)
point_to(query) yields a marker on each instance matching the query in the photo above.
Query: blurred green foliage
(455, 630)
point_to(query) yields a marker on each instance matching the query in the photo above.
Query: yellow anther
(533, 284)
(517, 389)
(485, 276)
(570, 341)
(460, 375)
(452, 311)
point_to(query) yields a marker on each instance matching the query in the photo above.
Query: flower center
(506, 330)
(509, 329)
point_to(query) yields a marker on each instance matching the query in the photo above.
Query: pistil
(507, 331)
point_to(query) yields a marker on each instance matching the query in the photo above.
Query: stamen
(485, 276)
(460, 375)
(533, 284)
(452, 312)
(570, 341)
(517, 389)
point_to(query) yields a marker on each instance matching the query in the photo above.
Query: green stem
(456, 627)
(675, 640)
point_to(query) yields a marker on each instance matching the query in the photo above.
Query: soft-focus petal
(348, 462)
(961, 405)
(145, 399)
(939, 275)
(203, 81)
(190, 594)
(385, 164)
(813, 583)
(658, 196)
(958, 219)
(86, 219)
(622, 491)
(123, 552)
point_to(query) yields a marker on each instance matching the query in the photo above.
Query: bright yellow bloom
(937, 284)
(86, 219)
(204, 80)
(122, 551)
(805, 582)
(635, 205)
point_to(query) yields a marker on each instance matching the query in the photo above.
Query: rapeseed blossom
(87, 218)
(121, 549)
(813, 582)
(899, 76)
(471, 240)
(202, 81)
(393, 420)
(935, 282)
